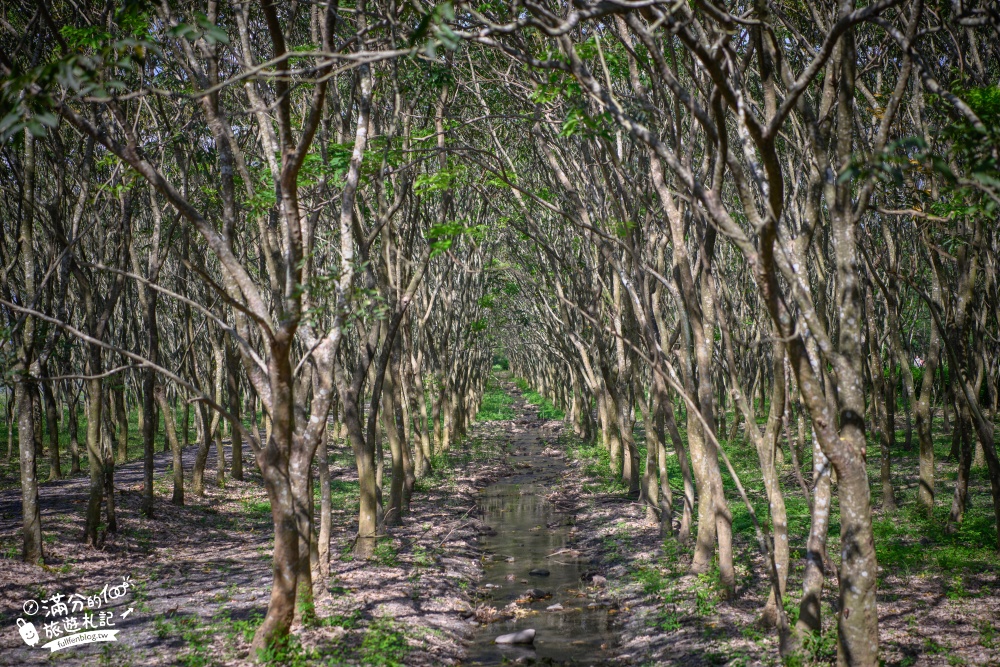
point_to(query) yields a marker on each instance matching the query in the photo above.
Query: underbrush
(597, 466)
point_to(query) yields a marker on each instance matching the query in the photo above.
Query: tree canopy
(767, 222)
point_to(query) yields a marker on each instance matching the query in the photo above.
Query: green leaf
(47, 118)
(184, 31)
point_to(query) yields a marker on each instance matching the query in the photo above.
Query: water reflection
(531, 533)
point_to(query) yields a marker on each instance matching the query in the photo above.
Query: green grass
(817, 648)
(288, 652)
(546, 409)
(496, 404)
(597, 466)
(257, 509)
(384, 644)
(245, 628)
(196, 636)
(386, 554)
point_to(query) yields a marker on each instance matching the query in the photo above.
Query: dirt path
(537, 576)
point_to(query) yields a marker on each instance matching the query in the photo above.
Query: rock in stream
(520, 637)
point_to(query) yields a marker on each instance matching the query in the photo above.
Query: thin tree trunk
(73, 426)
(175, 445)
(95, 458)
(108, 451)
(11, 418)
(233, 388)
(687, 510)
(963, 429)
(285, 557)
(812, 577)
(925, 492)
(394, 512)
(204, 444)
(52, 423)
(149, 421)
(325, 505)
(119, 412)
(31, 547)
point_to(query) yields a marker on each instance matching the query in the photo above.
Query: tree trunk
(649, 491)
(887, 441)
(282, 469)
(394, 512)
(300, 474)
(325, 505)
(73, 426)
(233, 388)
(175, 445)
(925, 492)
(108, 451)
(409, 466)
(812, 577)
(52, 424)
(666, 494)
(204, 444)
(11, 418)
(220, 458)
(963, 430)
(630, 462)
(95, 458)
(149, 421)
(767, 448)
(364, 457)
(31, 548)
(285, 557)
(36, 416)
(119, 412)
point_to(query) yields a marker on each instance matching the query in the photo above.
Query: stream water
(529, 530)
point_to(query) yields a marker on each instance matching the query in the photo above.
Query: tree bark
(31, 547)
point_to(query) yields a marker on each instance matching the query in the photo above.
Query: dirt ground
(942, 614)
(200, 574)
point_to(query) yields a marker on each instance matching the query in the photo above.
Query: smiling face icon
(28, 633)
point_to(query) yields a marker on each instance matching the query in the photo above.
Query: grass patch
(597, 466)
(195, 635)
(257, 509)
(384, 644)
(546, 409)
(288, 652)
(386, 554)
(496, 404)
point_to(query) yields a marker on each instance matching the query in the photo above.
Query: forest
(565, 332)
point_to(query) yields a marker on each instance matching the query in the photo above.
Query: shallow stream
(530, 533)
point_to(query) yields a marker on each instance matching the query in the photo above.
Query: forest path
(536, 576)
